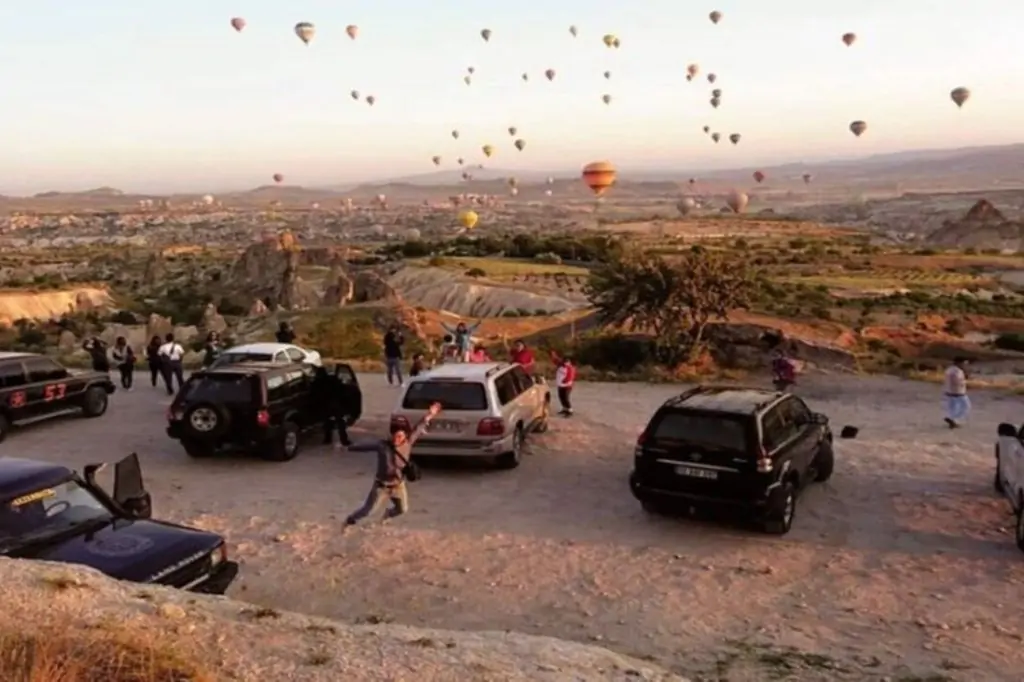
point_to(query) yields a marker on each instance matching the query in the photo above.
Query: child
(419, 365)
(449, 349)
(479, 354)
(565, 377)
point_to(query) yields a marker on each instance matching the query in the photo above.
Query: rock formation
(269, 270)
(983, 211)
(213, 321)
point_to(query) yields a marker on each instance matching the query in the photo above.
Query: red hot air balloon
(759, 177)
(238, 23)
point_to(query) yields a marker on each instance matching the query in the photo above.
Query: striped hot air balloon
(599, 176)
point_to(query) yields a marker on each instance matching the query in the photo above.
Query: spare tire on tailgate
(206, 421)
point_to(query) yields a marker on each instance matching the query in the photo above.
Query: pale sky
(152, 95)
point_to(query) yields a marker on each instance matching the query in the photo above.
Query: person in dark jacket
(98, 353)
(285, 333)
(393, 341)
(328, 398)
(419, 365)
(124, 358)
(212, 349)
(156, 366)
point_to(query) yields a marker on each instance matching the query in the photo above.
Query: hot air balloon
(455, 134)
(574, 31)
(737, 201)
(468, 219)
(208, 199)
(686, 205)
(858, 128)
(616, 43)
(548, 192)
(488, 150)
(692, 70)
(608, 40)
(512, 130)
(734, 138)
(960, 95)
(849, 38)
(716, 137)
(716, 93)
(436, 160)
(599, 176)
(707, 129)
(689, 78)
(305, 31)
(607, 75)
(520, 144)
(550, 74)
(238, 23)
(715, 17)
(355, 94)
(807, 178)
(471, 70)
(513, 182)
(278, 178)
(514, 191)
(371, 100)
(759, 177)
(352, 30)
(466, 176)
(461, 160)
(467, 80)
(715, 102)
(712, 78)
(486, 34)
(607, 99)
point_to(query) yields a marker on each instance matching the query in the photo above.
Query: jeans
(957, 407)
(394, 368)
(173, 370)
(565, 398)
(380, 494)
(155, 371)
(127, 375)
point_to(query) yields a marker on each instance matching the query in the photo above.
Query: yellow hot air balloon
(305, 31)
(599, 176)
(352, 30)
(488, 150)
(960, 95)
(520, 144)
(469, 219)
(486, 34)
(608, 40)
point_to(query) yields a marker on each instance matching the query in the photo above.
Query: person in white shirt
(171, 354)
(954, 389)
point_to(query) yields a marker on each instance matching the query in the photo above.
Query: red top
(523, 357)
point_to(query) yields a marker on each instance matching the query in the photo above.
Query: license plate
(694, 472)
(446, 426)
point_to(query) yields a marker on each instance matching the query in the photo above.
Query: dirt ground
(903, 566)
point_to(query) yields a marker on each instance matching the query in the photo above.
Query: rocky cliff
(75, 616)
(50, 305)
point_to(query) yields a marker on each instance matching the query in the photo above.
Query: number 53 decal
(54, 392)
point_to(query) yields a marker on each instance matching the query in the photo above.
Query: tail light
(174, 415)
(399, 424)
(490, 427)
(638, 451)
(764, 463)
(263, 418)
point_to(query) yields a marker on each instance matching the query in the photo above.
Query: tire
(512, 459)
(1019, 532)
(997, 483)
(545, 420)
(5, 427)
(197, 450)
(286, 446)
(824, 462)
(217, 420)
(778, 516)
(95, 401)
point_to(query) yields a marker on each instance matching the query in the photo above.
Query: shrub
(616, 352)
(345, 336)
(437, 261)
(476, 272)
(1014, 342)
(123, 317)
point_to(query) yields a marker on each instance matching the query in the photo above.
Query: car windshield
(219, 388)
(453, 395)
(709, 431)
(49, 511)
(225, 359)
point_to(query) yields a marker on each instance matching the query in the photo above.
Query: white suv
(488, 410)
(1009, 479)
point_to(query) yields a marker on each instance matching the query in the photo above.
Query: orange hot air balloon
(352, 30)
(238, 23)
(849, 39)
(278, 178)
(759, 177)
(858, 128)
(599, 176)
(550, 74)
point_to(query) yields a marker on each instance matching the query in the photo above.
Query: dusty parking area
(902, 566)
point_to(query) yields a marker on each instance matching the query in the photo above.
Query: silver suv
(488, 409)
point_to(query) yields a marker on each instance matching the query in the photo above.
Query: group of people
(164, 357)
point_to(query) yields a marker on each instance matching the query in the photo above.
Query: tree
(675, 300)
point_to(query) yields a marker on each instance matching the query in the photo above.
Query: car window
(453, 395)
(345, 375)
(797, 412)
(295, 355)
(524, 382)
(776, 428)
(281, 356)
(44, 369)
(12, 374)
(701, 430)
(234, 358)
(219, 388)
(505, 385)
(55, 509)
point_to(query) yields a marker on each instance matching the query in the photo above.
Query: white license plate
(446, 426)
(694, 472)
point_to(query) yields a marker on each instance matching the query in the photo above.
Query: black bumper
(647, 493)
(219, 580)
(177, 431)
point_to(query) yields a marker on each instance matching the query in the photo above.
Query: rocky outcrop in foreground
(214, 638)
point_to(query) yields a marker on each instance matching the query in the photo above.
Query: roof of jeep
(464, 370)
(21, 476)
(14, 355)
(744, 400)
(252, 368)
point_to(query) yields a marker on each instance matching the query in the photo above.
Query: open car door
(352, 394)
(129, 491)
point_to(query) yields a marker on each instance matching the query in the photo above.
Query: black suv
(34, 387)
(257, 406)
(50, 513)
(747, 447)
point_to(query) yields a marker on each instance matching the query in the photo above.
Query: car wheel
(544, 421)
(5, 427)
(206, 421)
(94, 404)
(286, 447)
(511, 459)
(997, 482)
(824, 462)
(778, 517)
(197, 450)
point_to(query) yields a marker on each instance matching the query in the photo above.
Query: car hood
(128, 549)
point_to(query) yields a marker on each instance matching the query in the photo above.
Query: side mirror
(849, 432)
(818, 418)
(1007, 430)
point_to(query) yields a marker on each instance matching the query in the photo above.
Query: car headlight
(219, 556)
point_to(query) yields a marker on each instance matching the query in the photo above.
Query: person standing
(393, 456)
(783, 371)
(393, 341)
(328, 399)
(171, 354)
(565, 378)
(153, 359)
(954, 388)
(285, 333)
(520, 354)
(124, 358)
(97, 351)
(419, 365)
(463, 337)
(211, 350)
